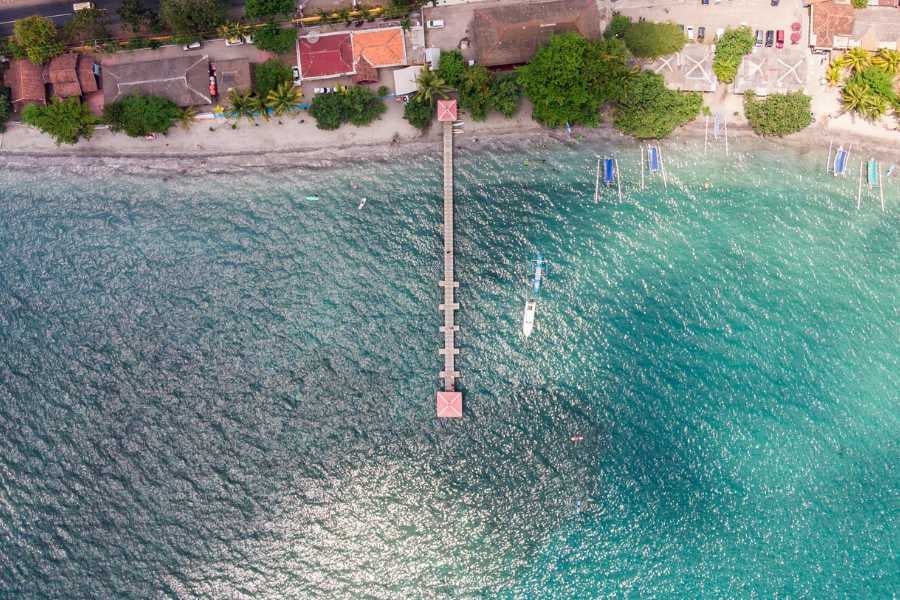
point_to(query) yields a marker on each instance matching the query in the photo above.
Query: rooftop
(233, 74)
(183, 80)
(380, 47)
(772, 71)
(26, 83)
(830, 19)
(877, 26)
(511, 34)
(689, 70)
(328, 55)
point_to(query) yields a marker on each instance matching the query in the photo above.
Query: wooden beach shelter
(449, 405)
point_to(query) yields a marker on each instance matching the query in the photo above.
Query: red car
(779, 38)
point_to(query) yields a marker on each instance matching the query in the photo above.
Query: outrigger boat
(538, 277)
(841, 160)
(528, 318)
(539, 266)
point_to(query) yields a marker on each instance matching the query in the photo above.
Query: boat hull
(528, 317)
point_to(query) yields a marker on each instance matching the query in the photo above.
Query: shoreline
(384, 140)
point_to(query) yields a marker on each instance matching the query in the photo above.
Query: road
(61, 12)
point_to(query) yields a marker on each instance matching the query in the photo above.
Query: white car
(82, 6)
(436, 24)
(325, 90)
(234, 42)
(191, 46)
(690, 33)
(295, 71)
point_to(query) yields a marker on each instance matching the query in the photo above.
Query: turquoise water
(214, 388)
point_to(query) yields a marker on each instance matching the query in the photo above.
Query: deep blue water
(212, 387)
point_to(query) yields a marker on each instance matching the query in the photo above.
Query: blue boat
(653, 160)
(539, 268)
(840, 162)
(609, 171)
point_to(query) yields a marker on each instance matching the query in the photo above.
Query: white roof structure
(772, 71)
(405, 80)
(690, 70)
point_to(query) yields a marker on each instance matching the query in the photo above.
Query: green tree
(859, 3)
(269, 75)
(261, 9)
(186, 116)
(778, 114)
(66, 121)
(887, 60)
(329, 110)
(134, 14)
(243, 104)
(730, 51)
(4, 110)
(363, 105)
(283, 99)
(878, 82)
(506, 94)
(452, 68)
(191, 18)
(648, 109)
(138, 116)
(617, 27)
(857, 59)
(646, 39)
(419, 112)
(272, 38)
(475, 92)
(87, 25)
(233, 31)
(833, 74)
(38, 39)
(854, 95)
(431, 85)
(570, 78)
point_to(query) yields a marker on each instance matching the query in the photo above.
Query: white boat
(528, 317)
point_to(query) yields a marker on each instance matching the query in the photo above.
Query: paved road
(61, 12)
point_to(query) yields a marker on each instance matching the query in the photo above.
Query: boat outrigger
(838, 167)
(873, 182)
(654, 163)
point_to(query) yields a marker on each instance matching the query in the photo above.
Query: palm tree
(243, 104)
(284, 98)
(854, 95)
(873, 106)
(430, 85)
(857, 59)
(833, 75)
(887, 60)
(233, 31)
(186, 117)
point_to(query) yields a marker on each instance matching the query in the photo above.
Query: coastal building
(511, 34)
(689, 70)
(836, 25)
(183, 80)
(766, 73)
(25, 81)
(233, 74)
(406, 79)
(359, 53)
(70, 74)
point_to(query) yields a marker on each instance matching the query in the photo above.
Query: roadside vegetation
(778, 114)
(868, 80)
(37, 39)
(273, 38)
(188, 19)
(730, 51)
(66, 121)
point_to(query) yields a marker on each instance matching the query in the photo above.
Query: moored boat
(528, 317)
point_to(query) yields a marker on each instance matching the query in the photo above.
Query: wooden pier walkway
(449, 283)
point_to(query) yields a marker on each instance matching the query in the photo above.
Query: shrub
(617, 27)
(730, 50)
(190, 18)
(859, 3)
(506, 94)
(648, 109)
(357, 105)
(383, 91)
(138, 116)
(778, 114)
(419, 112)
(452, 68)
(329, 110)
(646, 39)
(66, 121)
(272, 38)
(475, 92)
(268, 75)
(38, 39)
(260, 9)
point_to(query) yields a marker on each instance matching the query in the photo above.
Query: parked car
(435, 24)
(295, 71)
(779, 38)
(82, 6)
(234, 42)
(690, 33)
(759, 38)
(774, 2)
(705, 2)
(719, 33)
(213, 89)
(701, 33)
(324, 90)
(770, 38)
(191, 46)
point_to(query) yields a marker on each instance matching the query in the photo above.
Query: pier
(449, 401)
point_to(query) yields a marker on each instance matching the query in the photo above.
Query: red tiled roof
(830, 19)
(365, 72)
(86, 75)
(446, 110)
(26, 83)
(328, 56)
(449, 405)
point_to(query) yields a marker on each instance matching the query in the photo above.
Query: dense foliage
(646, 39)
(357, 105)
(617, 27)
(506, 94)
(452, 68)
(648, 109)
(870, 88)
(138, 116)
(730, 51)
(778, 114)
(475, 92)
(269, 75)
(4, 110)
(283, 99)
(87, 25)
(272, 38)
(419, 112)
(134, 14)
(570, 78)
(37, 38)
(859, 3)
(66, 121)
(187, 18)
(260, 9)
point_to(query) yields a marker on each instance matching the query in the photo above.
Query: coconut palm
(186, 117)
(284, 98)
(243, 104)
(854, 95)
(430, 85)
(857, 59)
(833, 75)
(233, 31)
(873, 107)
(887, 60)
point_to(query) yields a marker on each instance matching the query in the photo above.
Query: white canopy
(405, 80)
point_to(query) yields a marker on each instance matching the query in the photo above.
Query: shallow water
(212, 387)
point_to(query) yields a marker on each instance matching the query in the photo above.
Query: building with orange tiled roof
(357, 53)
(380, 47)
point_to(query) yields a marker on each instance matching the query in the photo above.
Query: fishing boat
(872, 174)
(528, 317)
(539, 268)
(841, 161)
(312, 197)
